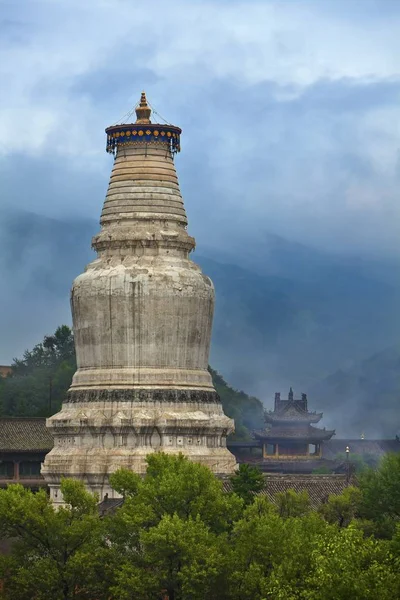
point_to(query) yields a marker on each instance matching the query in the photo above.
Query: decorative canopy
(142, 131)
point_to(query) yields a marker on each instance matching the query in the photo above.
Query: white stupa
(142, 317)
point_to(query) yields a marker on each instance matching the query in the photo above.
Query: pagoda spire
(143, 111)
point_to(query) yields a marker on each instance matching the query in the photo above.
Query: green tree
(41, 378)
(292, 504)
(125, 482)
(170, 532)
(48, 546)
(380, 494)
(178, 535)
(179, 556)
(246, 482)
(347, 565)
(52, 351)
(175, 485)
(381, 488)
(271, 554)
(343, 508)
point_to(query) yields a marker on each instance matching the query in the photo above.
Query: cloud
(291, 121)
(289, 112)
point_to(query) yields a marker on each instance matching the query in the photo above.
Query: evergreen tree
(247, 481)
(41, 378)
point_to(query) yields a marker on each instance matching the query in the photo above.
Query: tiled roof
(24, 434)
(276, 417)
(306, 433)
(318, 487)
(288, 466)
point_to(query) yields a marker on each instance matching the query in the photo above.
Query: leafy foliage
(178, 536)
(292, 504)
(380, 490)
(341, 510)
(247, 411)
(41, 378)
(247, 481)
(49, 546)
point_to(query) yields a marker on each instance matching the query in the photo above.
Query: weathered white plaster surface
(142, 315)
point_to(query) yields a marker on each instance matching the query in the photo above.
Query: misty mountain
(364, 398)
(285, 314)
(271, 332)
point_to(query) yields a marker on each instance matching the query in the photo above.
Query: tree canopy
(179, 536)
(40, 379)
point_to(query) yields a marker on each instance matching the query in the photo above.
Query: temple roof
(291, 410)
(24, 435)
(292, 415)
(309, 433)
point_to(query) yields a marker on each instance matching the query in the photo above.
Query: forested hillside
(247, 411)
(40, 378)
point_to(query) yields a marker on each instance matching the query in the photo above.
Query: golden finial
(143, 111)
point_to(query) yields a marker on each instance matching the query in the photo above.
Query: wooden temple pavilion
(290, 433)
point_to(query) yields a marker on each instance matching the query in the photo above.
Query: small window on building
(6, 469)
(29, 468)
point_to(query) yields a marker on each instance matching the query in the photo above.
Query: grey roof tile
(318, 487)
(25, 435)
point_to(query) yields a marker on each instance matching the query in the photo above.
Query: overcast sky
(290, 113)
(290, 110)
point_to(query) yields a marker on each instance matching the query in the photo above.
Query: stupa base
(95, 438)
(95, 466)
